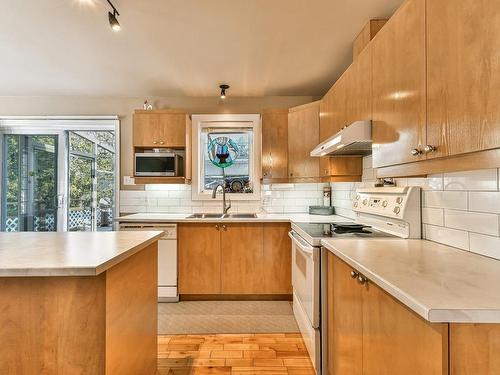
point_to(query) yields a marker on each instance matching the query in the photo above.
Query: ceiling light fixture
(223, 89)
(113, 21)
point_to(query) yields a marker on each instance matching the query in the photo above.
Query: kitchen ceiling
(181, 47)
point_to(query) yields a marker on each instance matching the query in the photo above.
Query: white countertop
(69, 253)
(438, 282)
(261, 217)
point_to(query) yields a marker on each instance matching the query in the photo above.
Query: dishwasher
(167, 257)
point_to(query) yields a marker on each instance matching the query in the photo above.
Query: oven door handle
(302, 245)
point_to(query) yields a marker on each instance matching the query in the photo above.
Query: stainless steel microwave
(159, 164)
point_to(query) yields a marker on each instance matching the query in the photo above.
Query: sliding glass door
(58, 175)
(29, 198)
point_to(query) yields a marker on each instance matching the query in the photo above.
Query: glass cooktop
(341, 229)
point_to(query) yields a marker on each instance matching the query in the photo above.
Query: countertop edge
(126, 254)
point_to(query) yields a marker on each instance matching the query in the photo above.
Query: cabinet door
(398, 341)
(344, 320)
(242, 263)
(147, 130)
(399, 87)
(277, 259)
(303, 136)
(463, 68)
(275, 144)
(199, 259)
(474, 349)
(358, 81)
(172, 130)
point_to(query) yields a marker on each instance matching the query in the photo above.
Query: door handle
(217, 226)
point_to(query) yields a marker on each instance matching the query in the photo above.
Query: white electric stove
(388, 212)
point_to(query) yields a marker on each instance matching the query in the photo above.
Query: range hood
(355, 139)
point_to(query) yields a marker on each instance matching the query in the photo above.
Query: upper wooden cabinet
(303, 136)
(463, 76)
(371, 333)
(166, 128)
(358, 91)
(368, 32)
(275, 144)
(399, 87)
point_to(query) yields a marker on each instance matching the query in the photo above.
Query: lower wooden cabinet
(234, 259)
(199, 258)
(371, 333)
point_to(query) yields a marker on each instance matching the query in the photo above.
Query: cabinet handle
(155, 142)
(224, 227)
(217, 226)
(161, 142)
(362, 280)
(429, 148)
(416, 152)
(354, 274)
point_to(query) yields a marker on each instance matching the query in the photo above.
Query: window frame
(226, 121)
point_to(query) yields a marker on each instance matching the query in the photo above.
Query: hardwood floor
(233, 354)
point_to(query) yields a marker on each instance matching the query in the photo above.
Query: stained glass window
(227, 156)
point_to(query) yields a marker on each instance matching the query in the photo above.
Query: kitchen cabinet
(371, 333)
(277, 273)
(344, 320)
(399, 87)
(199, 258)
(358, 82)
(474, 349)
(303, 136)
(275, 145)
(159, 129)
(463, 75)
(242, 260)
(234, 259)
(368, 32)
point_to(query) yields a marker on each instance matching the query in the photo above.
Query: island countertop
(440, 283)
(32, 254)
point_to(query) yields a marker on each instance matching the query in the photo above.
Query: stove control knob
(397, 210)
(355, 204)
(399, 200)
(365, 202)
(384, 204)
(357, 197)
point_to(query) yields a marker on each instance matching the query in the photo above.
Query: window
(227, 149)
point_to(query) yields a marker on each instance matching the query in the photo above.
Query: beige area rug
(207, 317)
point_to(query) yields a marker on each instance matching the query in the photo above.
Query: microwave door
(146, 165)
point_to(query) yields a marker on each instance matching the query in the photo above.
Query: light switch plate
(128, 180)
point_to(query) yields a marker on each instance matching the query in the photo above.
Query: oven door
(306, 281)
(155, 164)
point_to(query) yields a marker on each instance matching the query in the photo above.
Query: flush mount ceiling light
(113, 21)
(223, 89)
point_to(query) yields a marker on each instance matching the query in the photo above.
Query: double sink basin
(222, 216)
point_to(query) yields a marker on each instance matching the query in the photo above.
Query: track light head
(223, 89)
(113, 20)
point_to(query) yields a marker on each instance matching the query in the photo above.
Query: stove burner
(350, 228)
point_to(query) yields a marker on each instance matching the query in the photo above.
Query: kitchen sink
(240, 216)
(220, 216)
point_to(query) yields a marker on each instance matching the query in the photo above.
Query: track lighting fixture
(223, 89)
(113, 21)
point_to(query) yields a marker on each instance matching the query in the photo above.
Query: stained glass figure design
(223, 152)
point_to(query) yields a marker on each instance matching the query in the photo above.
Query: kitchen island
(78, 303)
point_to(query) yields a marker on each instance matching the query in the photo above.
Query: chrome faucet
(225, 206)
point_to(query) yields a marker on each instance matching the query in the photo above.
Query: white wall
(459, 209)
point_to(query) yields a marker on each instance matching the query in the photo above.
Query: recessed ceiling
(181, 47)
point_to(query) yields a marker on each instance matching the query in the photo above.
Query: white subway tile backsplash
(434, 216)
(447, 236)
(450, 199)
(484, 201)
(472, 221)
(485, 245)
(481, 179)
